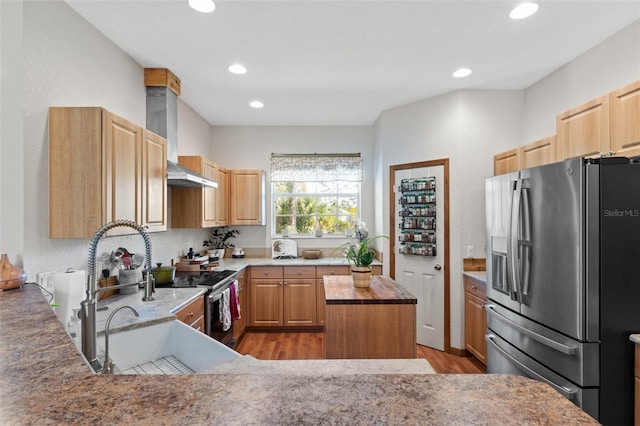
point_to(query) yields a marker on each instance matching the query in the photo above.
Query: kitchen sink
(170, 347)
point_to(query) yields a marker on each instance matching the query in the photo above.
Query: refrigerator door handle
(566, 391)
(512, 245)
(565, 349)
(525, 243)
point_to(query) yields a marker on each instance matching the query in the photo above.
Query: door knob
(437, 267)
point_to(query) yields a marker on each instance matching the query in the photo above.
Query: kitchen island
(374, 322)
(45, 380)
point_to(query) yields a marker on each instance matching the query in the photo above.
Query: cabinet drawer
(475, 287)
(266, 272)
(190, 313)
(332, 270)
(299, 271)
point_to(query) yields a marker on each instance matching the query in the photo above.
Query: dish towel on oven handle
(225, 312)
(235, 301)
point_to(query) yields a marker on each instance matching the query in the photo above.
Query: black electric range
(209, 279)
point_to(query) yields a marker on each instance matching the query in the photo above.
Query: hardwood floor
(308, 345)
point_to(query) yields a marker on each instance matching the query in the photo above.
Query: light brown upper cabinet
(154, 181)
(625, 120)
(247, 197)
(222, 196)
(539, 152)
(584, 131)
(103, 168)
(195, 207)
(507, 162)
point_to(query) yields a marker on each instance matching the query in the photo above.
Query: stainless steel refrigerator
(563, 281)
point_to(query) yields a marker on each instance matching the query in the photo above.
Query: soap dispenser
(191, 254)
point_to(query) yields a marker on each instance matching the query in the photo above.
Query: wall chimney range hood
(162, 119)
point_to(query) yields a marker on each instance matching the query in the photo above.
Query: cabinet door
(475, 326)
(209, 170)
(193, 314)
(300, 301)
(625, 120)
(240, 325)
(584, 131)
(320, 302)
(154, 182)
(539, 152)
(266, 302)
(222, 197)
(247, 197)
(76, 190)
(506, 162)
(122, 171)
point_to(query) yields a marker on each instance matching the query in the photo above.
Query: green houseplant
(219, 240)
(360, 256)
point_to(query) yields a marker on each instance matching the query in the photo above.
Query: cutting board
(107, 283)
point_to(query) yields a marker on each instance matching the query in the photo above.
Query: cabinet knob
(299, 272)
(266, 272)
(473, 287)
(437, 267)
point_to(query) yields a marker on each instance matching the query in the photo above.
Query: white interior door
(423, 276)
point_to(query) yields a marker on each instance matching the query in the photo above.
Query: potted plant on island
(360, 256)
(219, 241)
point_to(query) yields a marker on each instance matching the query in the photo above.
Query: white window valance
(316, 167)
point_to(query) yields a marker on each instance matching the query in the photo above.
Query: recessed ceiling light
(524, 10)
(462, 72)
(256, 104)
(237, 69)
(204, 6)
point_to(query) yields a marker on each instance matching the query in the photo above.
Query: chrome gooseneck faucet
(88, 307)
(107, 368)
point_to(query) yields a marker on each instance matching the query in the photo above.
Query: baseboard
(459, 352)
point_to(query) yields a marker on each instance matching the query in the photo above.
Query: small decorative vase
(361, 276)
(10, 276)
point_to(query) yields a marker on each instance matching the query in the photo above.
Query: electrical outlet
(45, 281)
(470, 251)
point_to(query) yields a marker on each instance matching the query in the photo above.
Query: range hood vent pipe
(162, 119)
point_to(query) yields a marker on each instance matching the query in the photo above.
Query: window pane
(283, 205)
(347, 206)
(304, 206)
(305, 224)
(348, 187)
(327, 187)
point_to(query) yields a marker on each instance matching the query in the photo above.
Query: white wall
(608, 66)
(467, 128)
(250, 147)
(12, 166)
(69, 63)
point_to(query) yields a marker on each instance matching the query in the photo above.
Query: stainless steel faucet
(107, 368)
(88, 307)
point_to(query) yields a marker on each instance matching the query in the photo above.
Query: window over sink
(315, 192)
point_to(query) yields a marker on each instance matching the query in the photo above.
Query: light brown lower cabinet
(193, 314)
(291, 296)
(475, 318)
(240, 325)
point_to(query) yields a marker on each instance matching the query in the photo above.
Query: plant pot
(361, 276)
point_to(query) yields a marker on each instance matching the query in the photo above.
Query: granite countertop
(45, 380)
(233, 263)
(166, 302)
(339, 290)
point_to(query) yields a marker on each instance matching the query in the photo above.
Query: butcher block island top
(45, 380)
(339, 290)
(374, 322)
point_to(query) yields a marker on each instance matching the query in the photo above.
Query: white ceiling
(330, 62)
